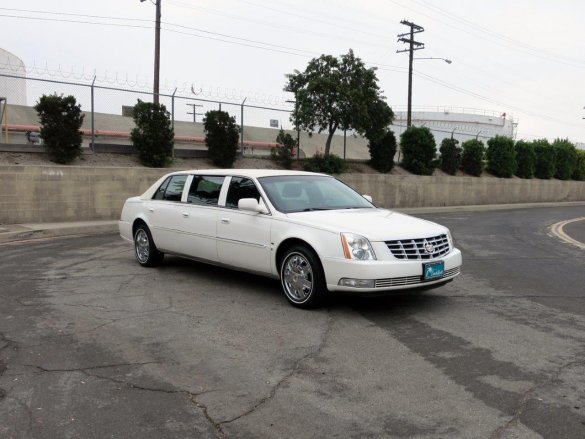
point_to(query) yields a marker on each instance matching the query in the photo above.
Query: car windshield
(305, 193)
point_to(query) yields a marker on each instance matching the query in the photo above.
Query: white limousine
(309, 230)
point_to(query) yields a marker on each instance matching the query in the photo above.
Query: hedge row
(502, 157)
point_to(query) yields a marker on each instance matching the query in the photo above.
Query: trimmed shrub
(418, 150)
(382, 150)
(501, 156)
(283, 153)
(525, 159)
(579, 172)
(565, 158)
(328, 164)
(450, 159)
(61, 119)
(153, 136)
(545, 159)
(221, 137)
(472, 158)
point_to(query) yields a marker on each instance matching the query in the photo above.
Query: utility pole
(157, 52)
(155, 89)
(408, 38)
(194, 113)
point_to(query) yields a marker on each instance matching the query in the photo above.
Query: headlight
(450, 238)
(357, 247)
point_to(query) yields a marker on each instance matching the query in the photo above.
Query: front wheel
(145, 250)
(302, 278)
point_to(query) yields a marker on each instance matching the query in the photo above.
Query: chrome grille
(412, 280)
(415, 248)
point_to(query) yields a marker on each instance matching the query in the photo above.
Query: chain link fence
(108, 118)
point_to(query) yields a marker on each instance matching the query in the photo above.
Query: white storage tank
(13, 89)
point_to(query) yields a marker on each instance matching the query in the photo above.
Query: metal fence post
(344, 142)
(92, 146)
(242, 126)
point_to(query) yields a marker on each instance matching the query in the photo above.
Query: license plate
(433, 270)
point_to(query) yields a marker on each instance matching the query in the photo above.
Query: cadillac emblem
(428, 247)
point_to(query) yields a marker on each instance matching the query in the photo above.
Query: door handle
(151, 209)
(225, 220)
(185, 215)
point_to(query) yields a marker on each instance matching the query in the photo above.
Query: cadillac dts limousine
(309, 230)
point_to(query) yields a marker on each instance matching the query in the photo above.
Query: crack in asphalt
(497, 434)
(295, 368)
(87, 372)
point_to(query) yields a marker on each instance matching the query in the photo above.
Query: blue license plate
(433, 270)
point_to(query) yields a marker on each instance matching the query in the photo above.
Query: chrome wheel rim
(297, 277)
(142, 246)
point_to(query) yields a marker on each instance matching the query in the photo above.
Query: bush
(328, 164)
(61, 119)
(221, 137)
(153, 135)
(472, 159)
(579, 172)
(501, 156)
(525, 159)
(283, 153)
(565, 158)
(418, 150)
(382, 150)
(450, 160)
(545, 159)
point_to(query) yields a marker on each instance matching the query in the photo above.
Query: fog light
(357, 283)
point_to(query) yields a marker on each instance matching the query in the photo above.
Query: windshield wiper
(311, 209)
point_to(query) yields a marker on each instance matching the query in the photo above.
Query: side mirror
(251, 205)
(369, 198)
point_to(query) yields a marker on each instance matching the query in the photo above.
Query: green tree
(418, 150)
(283, 153)
(382, 150)
(525, 159)
(472, 159)
(579, 172)
(545, 159)
(501, 156)
(221, 137)
(61, 120)
(450, 160)
(338, 93)
(565, 158)
(153, 136)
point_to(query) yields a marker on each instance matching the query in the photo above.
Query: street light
(298, 128)
(155, 90)
(409, 111)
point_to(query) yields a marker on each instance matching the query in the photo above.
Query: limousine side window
(205, 190)
(171, 189)
(241, 187)
(160, 193)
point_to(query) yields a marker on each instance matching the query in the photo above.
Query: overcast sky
(522, 57)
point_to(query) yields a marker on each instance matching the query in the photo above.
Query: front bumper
(387, 275)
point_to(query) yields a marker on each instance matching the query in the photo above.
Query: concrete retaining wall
(36, 194)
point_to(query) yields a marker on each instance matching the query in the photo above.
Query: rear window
(171, 189)
(205, 190)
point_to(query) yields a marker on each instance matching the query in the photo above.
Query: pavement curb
(27, 232)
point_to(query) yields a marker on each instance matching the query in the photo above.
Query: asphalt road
(93, 345)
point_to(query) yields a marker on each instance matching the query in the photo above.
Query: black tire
(302, 278)
(145, 250)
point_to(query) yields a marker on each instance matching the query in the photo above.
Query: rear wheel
(302, 278)
(145, 250)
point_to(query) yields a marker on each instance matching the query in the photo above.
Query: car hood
(374, 224)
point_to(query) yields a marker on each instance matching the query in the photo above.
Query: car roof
(252, 173)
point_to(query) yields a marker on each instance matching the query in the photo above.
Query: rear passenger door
(243, 238)
(198, 217)
(163, 215)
